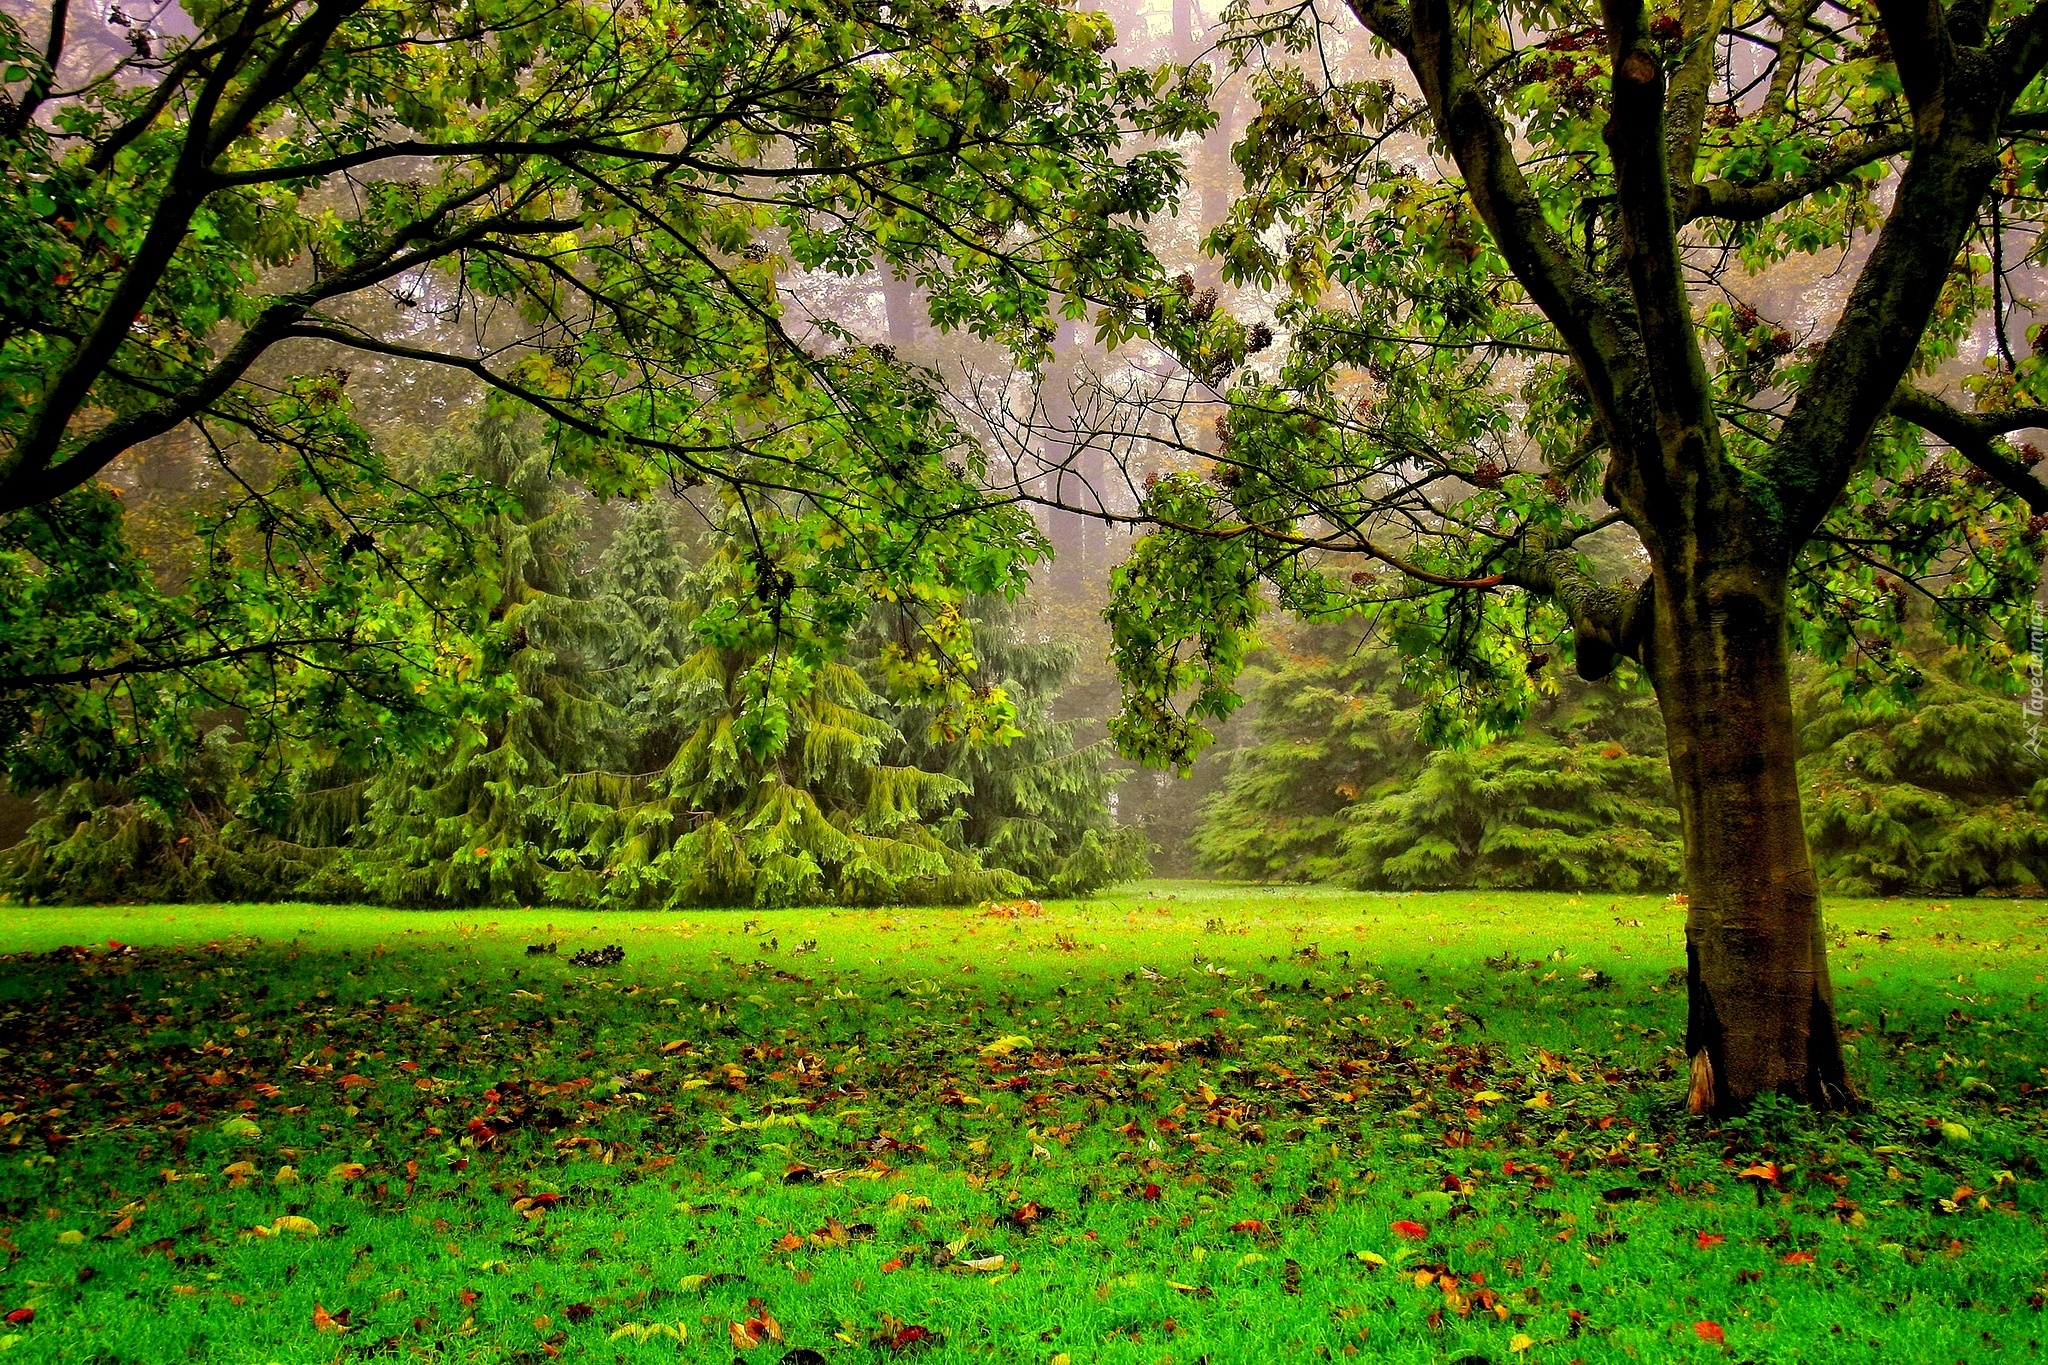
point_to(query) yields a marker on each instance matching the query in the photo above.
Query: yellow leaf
(1489, 1097)
(1520, 1341)
(292, 1222)
(241, 1168)
(674, 1045)
(1539, 1100)
(1004, 1046)
(1424, 1278)
(1372, 1258)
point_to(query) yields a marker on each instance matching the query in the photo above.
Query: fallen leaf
(892, 1265)
(1520, 1341)
(1251, 1225)
(292, 1222)
(21, 1317)
(1708, 1240)
(1797, 1258)
(1414, 1232)
(1710, 1332)
(325, 1321)
(983, 1263)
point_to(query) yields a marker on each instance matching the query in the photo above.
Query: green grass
(1228, 1098)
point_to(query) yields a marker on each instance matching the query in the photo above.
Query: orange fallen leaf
(893, 1264)
(1710, 1332)
(1797, 1258)
(1251, 1225)
(1708, 1240)
(1414, 1232)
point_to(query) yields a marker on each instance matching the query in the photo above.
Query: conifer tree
(1339, 787)
(496, 818)
(1039, 805)
(801, 804)
(1933, 789)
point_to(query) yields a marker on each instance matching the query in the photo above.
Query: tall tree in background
(503, 813)
(1040, 805)
(1528, 271)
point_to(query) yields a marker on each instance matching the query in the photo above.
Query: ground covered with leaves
(1192, 1123)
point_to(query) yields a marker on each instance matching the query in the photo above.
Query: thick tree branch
(1791, 56)
(1970, 435)
(1609, 624)
(1687, 432)
(1685, 107)
(1955, 154)
(1600, 341)
(1921, 50)
(1726, 200)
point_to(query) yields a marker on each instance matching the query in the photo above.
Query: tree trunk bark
(1761, 1012)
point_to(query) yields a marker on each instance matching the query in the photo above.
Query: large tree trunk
(1761, 1007)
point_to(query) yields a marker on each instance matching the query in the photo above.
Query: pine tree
(806, 807)
(1040, 805)
(1339, 787)
(504, 816)
(1935, 791)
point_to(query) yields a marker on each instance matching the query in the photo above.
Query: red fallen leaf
(1149, 1192)
(1708, 1240)
(892, 1265)
(907, 1337)
(546, 1201)
(1797, 1258)
(755, 1330)
(1710, 1332)
(21, 1317)
(1414, 1232)
(468, 1297)
(1248, 1225)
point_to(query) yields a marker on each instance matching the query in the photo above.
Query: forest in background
(607, 762)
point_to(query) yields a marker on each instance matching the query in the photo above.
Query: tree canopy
(596, 212)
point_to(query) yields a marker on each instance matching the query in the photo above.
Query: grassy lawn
(1192, 1122)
